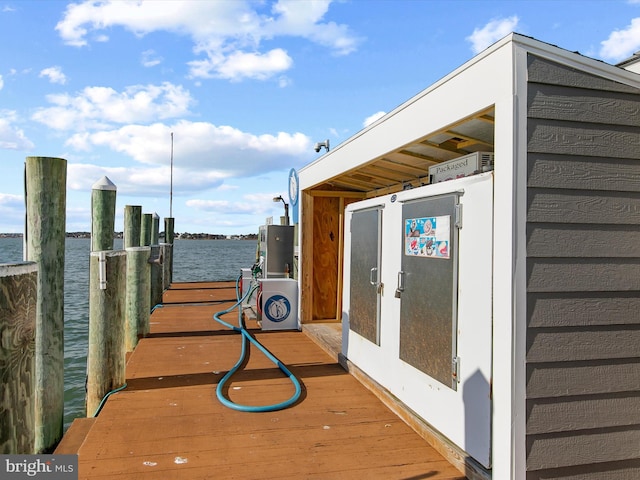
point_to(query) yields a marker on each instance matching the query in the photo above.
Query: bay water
(194, 261)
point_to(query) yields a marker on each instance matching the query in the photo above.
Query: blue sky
(246, 88)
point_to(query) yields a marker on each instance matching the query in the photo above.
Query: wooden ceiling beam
(380, 171)
(467, 140)
(396, 163)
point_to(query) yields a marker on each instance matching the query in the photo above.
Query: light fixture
(286, 208)
(324, 144)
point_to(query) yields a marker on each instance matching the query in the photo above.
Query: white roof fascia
(333, 163)
(471, 88)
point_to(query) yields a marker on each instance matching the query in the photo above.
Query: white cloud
(12, 212)
(304, 19)
(98, 107)
(1, 82)
(54, 74)
(228, 34)
(12, 137)
(150, 58)
(8, 200)
(239, 65)
(201, 147)
(250, 205)
(493, 31)
(621, 44)
(142, 181)
(372, 118)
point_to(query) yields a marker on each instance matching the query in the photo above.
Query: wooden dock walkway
(168, 423)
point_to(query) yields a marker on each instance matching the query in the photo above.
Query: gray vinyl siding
(583, 275)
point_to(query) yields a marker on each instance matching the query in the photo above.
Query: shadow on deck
(168, 423)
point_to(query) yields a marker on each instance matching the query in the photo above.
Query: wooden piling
(169, 233)
(103, 214)
(132, 225)
(45, 193)
(155, 229)
(145, 229)
(138, 295)
(169, 237)
(106, 355)
(166, 250)
(156, 282)
(18, 290)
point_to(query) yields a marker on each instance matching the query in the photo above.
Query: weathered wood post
(138, 295)
(169, 233)
(106, 356)
(155, 229)
(156, 261)
(169, 237)
(45, 193)
(166, 250)
(132, 225)
(18, 290)
(145, 229)
(103, 214)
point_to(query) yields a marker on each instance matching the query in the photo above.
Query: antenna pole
(171, 183)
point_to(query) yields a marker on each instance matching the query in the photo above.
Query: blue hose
(246, 338)
(104, 399)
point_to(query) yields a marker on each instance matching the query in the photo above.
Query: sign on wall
(427, 237)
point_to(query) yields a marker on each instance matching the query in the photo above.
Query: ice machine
(278, 302)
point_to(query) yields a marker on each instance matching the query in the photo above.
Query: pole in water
(45, 193)
(171, 182)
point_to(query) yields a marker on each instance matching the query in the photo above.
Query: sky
(244, 88)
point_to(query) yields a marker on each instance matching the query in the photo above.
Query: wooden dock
(168, 423)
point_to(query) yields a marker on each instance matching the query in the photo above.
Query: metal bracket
(400, 288)
(102, 269)
(455, 369)
(458, 216)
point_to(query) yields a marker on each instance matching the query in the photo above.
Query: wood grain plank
(582, 105)
(18, 301)
(583, 275)
(582, 309)
(326, 231)
(542, 70)
(576, 206)
(570, 345)
(555, 380)
(548, 170)
(577, 413)
(169, 423)
(589, 140)
(306, 257)
(583, 241)
(625, 470)
(587, 448)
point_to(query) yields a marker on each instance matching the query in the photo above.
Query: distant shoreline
(178, 236)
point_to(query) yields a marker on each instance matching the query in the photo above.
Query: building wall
(583, 275)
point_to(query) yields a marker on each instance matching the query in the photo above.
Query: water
(194, 261)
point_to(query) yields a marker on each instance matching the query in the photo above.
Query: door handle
(400, 287)
(371, 274)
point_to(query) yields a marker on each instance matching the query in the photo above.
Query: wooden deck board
(168, 423)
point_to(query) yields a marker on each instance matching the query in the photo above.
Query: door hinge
(455, 369)
(458, 216)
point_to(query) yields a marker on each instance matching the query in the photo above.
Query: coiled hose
(246, 339)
